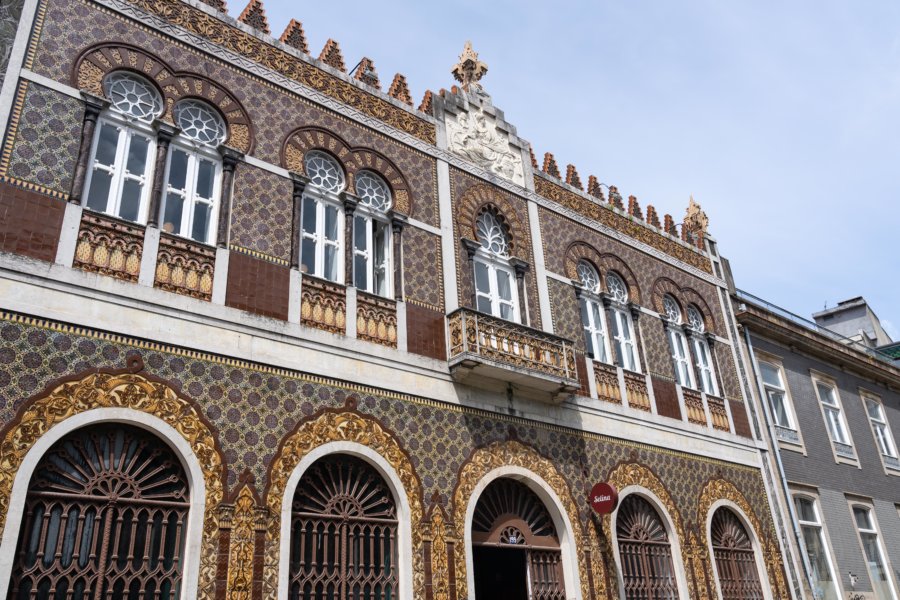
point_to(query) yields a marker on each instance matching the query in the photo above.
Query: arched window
(118, 178)
(622, 324)
(645, 554)
(343, 533)
(702, 353)
(372, 235)
(515, 545)
(816, 548)
(592, 312)
(105, 517)
(495, 283)
(678, 346)
(879, 569)
(322, 220)
(735, 560)
(193, 172)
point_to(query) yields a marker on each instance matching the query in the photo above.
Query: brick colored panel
(425, 332)
(741, 422)
(582, 371)
(257, 286)
(666, 398)
(29, 222)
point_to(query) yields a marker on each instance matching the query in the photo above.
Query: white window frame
(195, 153)
(876, 530)
(822, 533)
(621, 316)
(593, 316)
(833, 415)
(323, 199)
(494, 265)
(890, 460)
(789, 437)
(373, 220)
(701, 348)
(127, 129)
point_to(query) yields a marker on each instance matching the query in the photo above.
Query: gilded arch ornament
(122, 389)
(722, 489)
(97, 61)
(353, 159)
(342, 425)
(482, 196)
(514, 453)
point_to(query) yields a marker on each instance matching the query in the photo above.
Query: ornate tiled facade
(261, 213)
(423, 275)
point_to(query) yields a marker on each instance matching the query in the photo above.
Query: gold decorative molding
(636, 391)
(607, 382)
(718, 413)
(231, 38)
(185, 267)
(376, 319)
(693, 401)
(127, 390)
(440, 535)
(109, 246)
(344, 426)
(323, 305)
(242, 545)
(504, 454)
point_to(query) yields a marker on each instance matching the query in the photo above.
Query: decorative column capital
(471, 247)
(300, 182)
(398, 221)
(350, 202)
(165, 131)
(519, 266)
(635, 311)
(230, 157)
(93, 105)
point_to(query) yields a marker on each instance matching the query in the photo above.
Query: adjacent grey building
(831, 408)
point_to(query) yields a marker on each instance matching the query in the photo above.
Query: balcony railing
(511, 352)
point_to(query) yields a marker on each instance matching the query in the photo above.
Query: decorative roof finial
(469, 70)
(695, 220)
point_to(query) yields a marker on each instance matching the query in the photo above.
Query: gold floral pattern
(242, 545)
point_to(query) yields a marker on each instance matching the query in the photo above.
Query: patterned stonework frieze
(323, 304)
(636, 391)
(607, 382)
(718, 413)
(376, 320)
(109, 246)
(694, 404)
(185, 267)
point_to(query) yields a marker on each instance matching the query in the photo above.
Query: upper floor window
(820, 559)
(702, 352)
(834, 418)
(884, 439)
(678, 343)
(118, 181)
(495, 282)
(372, 235)
(776, 393)
(622, 324)
(592, 313)
(322, 219)
(875, 561)
(193, 172)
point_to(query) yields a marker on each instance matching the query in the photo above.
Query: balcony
(482, 345)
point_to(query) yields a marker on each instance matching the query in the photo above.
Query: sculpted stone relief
(475, 136)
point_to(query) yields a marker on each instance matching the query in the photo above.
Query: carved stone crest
(474, 135)
(695, 219)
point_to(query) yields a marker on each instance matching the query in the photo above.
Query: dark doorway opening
(500, 573)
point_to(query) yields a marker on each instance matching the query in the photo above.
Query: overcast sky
(781, 118)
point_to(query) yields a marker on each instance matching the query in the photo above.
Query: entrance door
(500, 573)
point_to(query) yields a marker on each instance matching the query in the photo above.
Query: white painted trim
(62, 88)
(350, 317)
(540, 272)
(448, 243)
(220, 277)
(156, 426)
(68, 235)
(149, 255)
(424, 226)
(830, 554)
(404, 513)
(402, 339)
(16, 59)
(554, 506)
(674, 542)
(754, 540)
(295, 300)
(266, 166)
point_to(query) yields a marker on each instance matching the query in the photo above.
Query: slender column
(692, 360)
(164, 134)
(398, 221)
(300, 182)
(350, 204)
(638, 334)
(93, 105)
(230, 159)
(521, 267)
(472, 247)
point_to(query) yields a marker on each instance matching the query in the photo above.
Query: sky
(781, 118)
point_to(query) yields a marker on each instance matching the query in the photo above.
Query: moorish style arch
(514, 459)
(685, 297)
(343, 431)
(96, 62)
(128, 397)
(604, 263)
(480, 197)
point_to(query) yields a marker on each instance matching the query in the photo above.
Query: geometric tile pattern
(261, 212)
(656, 347)
(10, 12)
(423, 271)
(46, 142)
(566, 312)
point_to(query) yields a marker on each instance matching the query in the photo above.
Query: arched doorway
(645, 553)
(735, 559)
(105, 517)
(515, 545)
(343, 533)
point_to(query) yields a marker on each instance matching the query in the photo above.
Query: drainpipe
(795, 526)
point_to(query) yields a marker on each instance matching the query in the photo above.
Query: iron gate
(735, 561)
(648, 572)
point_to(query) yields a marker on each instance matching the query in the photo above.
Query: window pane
(874, 409)
(507, 311)
(308, 256)
(200, 229)
(482, 283)
(106, 145)
(826, 393)
(484, 304)
(309, 215)
(130, 206)
(805, 510)
(770, 374)
(98, 195)
(382, 239)
(779, 411)
(172, 213)
(206, 175)
(360, 234)
(861, 516)
(178, 169)
(137, 155)
(360, 274)
(504, 285)
(331, 263)
(815, 551)
(585, 316)
(331, 223)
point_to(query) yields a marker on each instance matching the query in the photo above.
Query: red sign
(604, 498)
